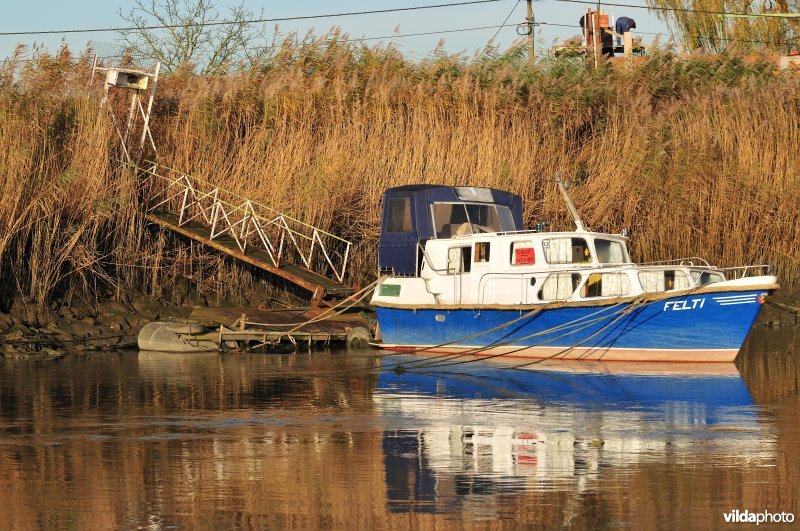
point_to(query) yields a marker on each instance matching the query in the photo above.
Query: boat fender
(358, 338)
(185, 326)
(157, 336)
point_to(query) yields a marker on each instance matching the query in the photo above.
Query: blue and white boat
(464, 276)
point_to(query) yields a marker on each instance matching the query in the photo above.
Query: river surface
(136, 439)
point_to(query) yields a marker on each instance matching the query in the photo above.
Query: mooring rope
(423, 362)
(638, 302)
(571, 327)
(570, 324)
(426, 359)
(785, 307)
(627, 311)
(360, 294)
(580, 323)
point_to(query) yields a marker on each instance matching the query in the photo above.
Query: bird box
(130, 79)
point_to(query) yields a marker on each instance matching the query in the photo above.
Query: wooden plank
(259, 335)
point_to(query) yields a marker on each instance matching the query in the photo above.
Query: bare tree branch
(187, 40)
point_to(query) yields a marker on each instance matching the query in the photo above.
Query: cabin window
(472, 193)
(663, 280)
(559, 286)
(398, 214)
(610, 252)
(522, 253)
(676, 279)
(448, 218)
(506, 219)
(607, 285)
(701, 278)
(482, 251)
(490, 218)
(566, 251)
(462, 219)
(483, 218)
(459, 260)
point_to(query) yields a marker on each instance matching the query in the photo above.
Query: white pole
(146, 129)
(570, 206)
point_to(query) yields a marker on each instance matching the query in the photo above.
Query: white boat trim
(644, 299)
(660, 355)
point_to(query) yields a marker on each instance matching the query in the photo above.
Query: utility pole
(596, 35)
(532, 54)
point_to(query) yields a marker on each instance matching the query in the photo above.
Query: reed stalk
(696, 156)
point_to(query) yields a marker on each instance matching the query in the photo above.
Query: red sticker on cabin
(524, 256)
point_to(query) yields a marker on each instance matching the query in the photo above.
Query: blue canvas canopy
(407, 219)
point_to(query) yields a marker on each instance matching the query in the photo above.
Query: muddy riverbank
(28, 331)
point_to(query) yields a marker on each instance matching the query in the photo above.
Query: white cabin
(528, 267)
(466, 246)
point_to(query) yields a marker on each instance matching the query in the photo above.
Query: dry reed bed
(696, 157)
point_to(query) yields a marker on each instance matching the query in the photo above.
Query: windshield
(460, 219)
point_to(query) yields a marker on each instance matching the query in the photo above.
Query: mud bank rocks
(29, 332)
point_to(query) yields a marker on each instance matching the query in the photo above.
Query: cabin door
(459, 265)
(397, 250)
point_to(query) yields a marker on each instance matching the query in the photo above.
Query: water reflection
(479, 431)
(208, 440)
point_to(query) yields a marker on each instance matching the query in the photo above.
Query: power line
(558, 25)
(555, 24)
(401, 35)
(506, 20)
(253, 21)
(411, 8)
(689, 10)
(504, 24)
(677, 35)
(395, 36)
(538, 23)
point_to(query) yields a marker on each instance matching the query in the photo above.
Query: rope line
(785, 307)
(640, 301)
(567, 325)
(360, 294)
(421, 362)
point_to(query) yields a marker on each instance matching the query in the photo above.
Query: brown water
(204, 440)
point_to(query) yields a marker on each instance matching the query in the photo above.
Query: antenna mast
(562, 186)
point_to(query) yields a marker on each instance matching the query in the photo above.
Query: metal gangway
(304, 255)
(301, 253)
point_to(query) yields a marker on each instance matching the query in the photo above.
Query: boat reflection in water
(473, 430)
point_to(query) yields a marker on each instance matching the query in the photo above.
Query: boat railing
(688, 261)
(692, 261)
(250, 224)
(429, 262)
(742, 271)
(503, 233)
(522, 232)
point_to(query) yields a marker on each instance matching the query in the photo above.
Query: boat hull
(694, 327)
